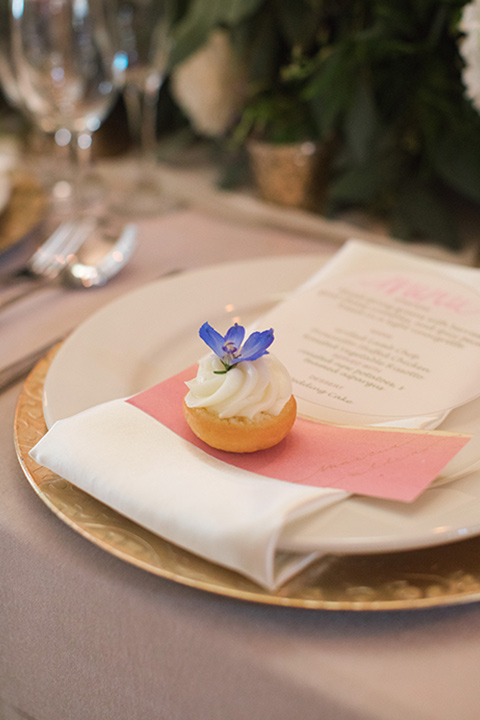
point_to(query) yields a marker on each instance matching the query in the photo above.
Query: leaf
(420, 211)
(192, 31)
(457, 160)
(201, 17)
(263, 53)
(361, 123)
(358, 185)
(330, 91)
(298, 22)
(371, 181)
(235, 11)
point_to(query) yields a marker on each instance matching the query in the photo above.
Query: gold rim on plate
(443, 575)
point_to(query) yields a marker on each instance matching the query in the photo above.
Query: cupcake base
(239, 434)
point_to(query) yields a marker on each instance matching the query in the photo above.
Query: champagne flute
(65, 77)
(142, 42)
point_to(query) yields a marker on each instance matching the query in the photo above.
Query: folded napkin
(134, 464)
(139, 457)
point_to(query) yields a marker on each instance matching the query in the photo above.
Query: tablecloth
(86, 636)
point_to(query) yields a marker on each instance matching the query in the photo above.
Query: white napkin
(137, 466)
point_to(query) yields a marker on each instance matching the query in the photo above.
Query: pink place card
(379, 462)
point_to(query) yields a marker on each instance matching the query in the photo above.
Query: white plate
(150, 334)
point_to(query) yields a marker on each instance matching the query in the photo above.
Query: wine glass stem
(141, 104)
(68, 189)
(82, 151)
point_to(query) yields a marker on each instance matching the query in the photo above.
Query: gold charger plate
(444, 575)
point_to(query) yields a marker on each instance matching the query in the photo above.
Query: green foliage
(277, 117)
(382, 77)
(199, 17)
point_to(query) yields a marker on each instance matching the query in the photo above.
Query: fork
(50, 257)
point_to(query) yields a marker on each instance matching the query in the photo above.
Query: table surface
(84, 635)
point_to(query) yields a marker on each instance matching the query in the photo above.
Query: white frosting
(248, 388)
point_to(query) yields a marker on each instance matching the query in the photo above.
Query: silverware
(50, 257)
(107, 257)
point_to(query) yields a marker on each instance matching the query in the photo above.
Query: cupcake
(241, 398)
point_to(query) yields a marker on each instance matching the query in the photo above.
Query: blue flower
(229, 347)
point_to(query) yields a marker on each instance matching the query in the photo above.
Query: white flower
(210, 85)
(470, 51)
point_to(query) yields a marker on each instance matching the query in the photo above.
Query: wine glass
(142, 41)
(7, 77)
(66, 78)
(34, 159)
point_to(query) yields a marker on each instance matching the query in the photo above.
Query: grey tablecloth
(85, 636)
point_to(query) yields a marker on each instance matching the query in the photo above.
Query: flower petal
(234, 336)
(256, 345)
(229, 347)
(212, 338)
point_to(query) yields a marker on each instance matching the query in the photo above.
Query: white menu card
(380, 336)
